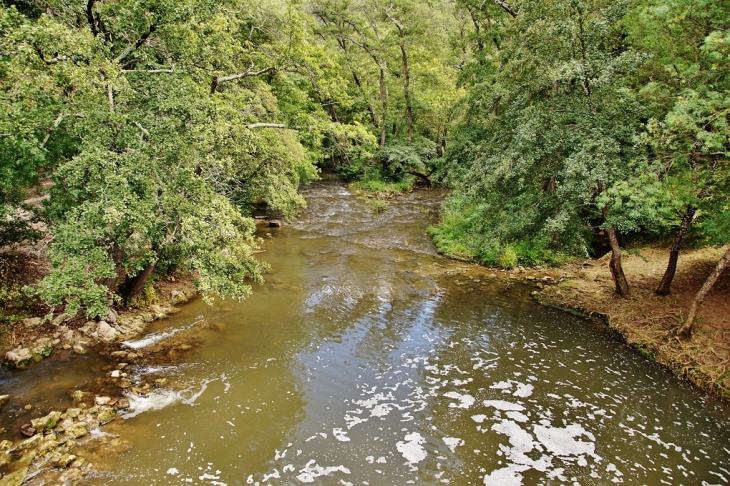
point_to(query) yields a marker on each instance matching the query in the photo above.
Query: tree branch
(50, 132)
(130, 49)
(90, 17)
(270, 125)
(506, 7)
(248, 73)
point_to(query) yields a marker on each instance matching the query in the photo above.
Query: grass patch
(378, 205)
(377, 185)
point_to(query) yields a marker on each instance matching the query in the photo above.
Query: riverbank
(648, 322)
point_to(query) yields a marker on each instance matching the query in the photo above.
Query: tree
(687, 81)
(554, 123)
(157, 164)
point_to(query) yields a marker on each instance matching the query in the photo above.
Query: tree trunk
(113, 282)
(666, 283)
(622, 286)
(686, 330)
(134, 286)
(383, 104)
(406, 91)
(370, 108)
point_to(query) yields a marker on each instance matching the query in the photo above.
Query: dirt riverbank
(648, 322)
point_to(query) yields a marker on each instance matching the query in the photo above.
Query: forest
(141, 134)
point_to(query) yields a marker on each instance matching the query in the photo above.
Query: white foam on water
(465, 400)
(340, 435)
(156, 400)
(160, 399)
(523, 390)
(507, 476)
(312, 470)
(453, 442)
(173, 471)
(517, 416)
(503, 405)
(156, 337)
(412, 449)
(479, 418)
(562, 442)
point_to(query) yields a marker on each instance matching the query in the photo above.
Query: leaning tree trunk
(134, 286)
(619, 279)
(686, 330)
(666, 283)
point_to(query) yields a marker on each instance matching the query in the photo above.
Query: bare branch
(270, 125)
(248, 73)
(50, 132)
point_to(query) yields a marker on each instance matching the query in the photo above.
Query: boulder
(41, 347)
(3, 400)
(28, 443)
(80, 349)
(15, 478)
(31, 322)
(65, 461)
(74, 412)
(107, 333)
(274, 223)
(47, 422)
(79, 429)
(61, 318)
(177, 296)
(112, 316)
(106, 414)
(18, 355)
(102, 400)
(27, 430)
(89, 329)
(47, 446)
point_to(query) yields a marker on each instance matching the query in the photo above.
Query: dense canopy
(150, 129)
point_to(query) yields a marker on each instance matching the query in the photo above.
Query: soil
(649, 322)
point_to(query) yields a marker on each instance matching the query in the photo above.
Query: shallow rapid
(366, 358)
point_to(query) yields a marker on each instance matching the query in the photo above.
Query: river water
(366, 358)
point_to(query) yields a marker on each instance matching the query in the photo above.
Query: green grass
(376, 185)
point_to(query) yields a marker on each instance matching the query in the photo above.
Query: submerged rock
(102, 400)
(15, 478)
(3, 400)
(28, 443)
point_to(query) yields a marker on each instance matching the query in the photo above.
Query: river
(366, 358)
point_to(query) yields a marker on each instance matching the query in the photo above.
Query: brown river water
(367, 359)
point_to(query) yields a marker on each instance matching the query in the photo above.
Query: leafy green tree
(552, 128)
(162, 105)
(687, 80)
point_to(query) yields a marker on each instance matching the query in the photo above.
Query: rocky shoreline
(54, 450)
